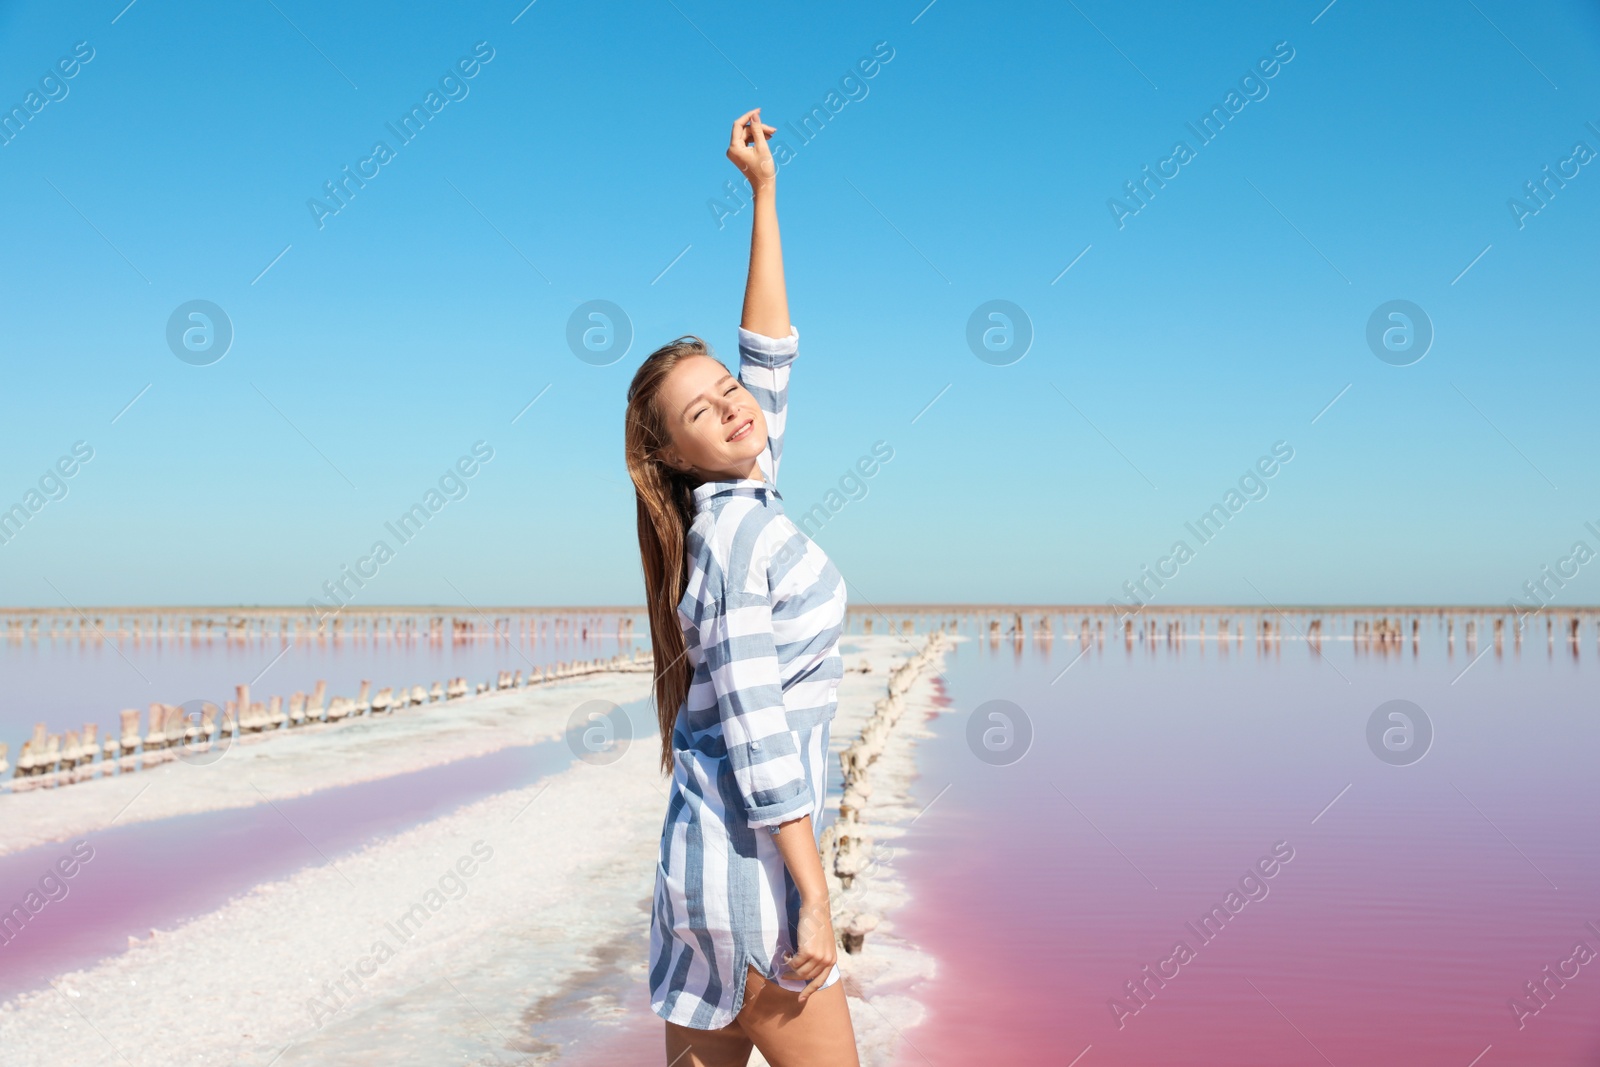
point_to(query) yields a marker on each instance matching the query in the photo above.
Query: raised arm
(766, 304)
(764, 371)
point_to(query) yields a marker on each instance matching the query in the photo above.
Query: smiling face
(716, 426)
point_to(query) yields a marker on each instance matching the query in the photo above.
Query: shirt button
(755, 744)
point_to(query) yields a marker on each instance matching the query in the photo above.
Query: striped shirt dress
(762, 613)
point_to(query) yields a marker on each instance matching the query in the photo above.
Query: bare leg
(727, 1047)
(790, 1034)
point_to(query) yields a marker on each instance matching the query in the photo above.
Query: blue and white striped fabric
(762, 613)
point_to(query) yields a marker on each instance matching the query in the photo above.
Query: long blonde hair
(665, 511)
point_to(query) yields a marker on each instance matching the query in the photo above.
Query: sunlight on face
(717, 427)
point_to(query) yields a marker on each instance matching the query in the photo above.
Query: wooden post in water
(208, 725)
(88, 749)
(177, 727)
(130, 736)
(156, 739)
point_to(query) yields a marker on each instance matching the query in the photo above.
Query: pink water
(1419, 899)
(65, 683)
(157, 875)
(1413, 909)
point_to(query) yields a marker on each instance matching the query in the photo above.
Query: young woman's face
(717, 427)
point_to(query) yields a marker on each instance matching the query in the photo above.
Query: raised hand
(749, 151)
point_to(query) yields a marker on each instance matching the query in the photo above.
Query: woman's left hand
(754, 159)
(818, 950)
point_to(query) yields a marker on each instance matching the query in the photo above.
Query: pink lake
(1065, 851)
(1420, 899)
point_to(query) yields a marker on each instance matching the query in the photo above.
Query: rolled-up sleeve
(762, 750)
(764, 370)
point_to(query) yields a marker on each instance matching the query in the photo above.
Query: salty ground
(511, 930)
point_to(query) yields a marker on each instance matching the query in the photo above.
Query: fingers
(739, 131)
(813, 970)
(759, 135)
(815, 984)
(744, 127)
(765, 165)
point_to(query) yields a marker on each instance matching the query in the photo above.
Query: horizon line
(946, 607)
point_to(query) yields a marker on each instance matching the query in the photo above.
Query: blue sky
(371, 353)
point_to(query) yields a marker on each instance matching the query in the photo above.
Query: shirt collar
(760, 488)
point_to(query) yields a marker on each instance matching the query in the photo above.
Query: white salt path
(882, 978)
(290, 763)
(560, 884)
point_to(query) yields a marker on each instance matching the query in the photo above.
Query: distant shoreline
(638, 609)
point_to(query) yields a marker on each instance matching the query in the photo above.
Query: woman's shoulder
(735, 526)
(731, 546)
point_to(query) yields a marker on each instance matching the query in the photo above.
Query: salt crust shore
(881, 979)
(565, 892)
(310, 758)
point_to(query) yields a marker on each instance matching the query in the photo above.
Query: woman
(745, 617)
